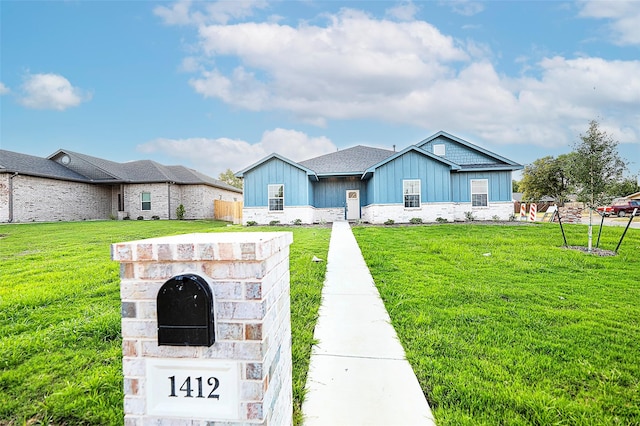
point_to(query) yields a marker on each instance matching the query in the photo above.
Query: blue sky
(217, 85)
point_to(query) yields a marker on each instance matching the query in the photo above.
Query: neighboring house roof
(14, 162)
(85, 168)
(634, 196)
(348, 161)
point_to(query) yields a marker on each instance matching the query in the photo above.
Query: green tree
(595, 166)
(229, 178)
(515, 185)
(546, 176)
(624, 187)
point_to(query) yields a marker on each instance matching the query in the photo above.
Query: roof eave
(309, 172)
(490, 168)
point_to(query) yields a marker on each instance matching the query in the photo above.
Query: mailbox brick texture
(249, 273)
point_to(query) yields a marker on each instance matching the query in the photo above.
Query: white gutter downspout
(10, 219)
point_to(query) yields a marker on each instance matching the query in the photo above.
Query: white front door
(353, 204)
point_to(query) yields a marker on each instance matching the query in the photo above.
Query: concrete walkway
(358, 373)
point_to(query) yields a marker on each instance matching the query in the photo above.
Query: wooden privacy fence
(229, 211)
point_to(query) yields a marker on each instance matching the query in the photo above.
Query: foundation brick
(253, 371)
(130, 348)
(230, 331)
(128, 309)
(144, 252)
(253, 331)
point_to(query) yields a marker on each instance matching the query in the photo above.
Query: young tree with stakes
(595, 166)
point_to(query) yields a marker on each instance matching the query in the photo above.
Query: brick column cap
(224, 246)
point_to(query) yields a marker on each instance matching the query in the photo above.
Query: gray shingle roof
(98, 170)
(15, 162)
(347, 161)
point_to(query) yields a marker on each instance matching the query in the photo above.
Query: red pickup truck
(624, 208)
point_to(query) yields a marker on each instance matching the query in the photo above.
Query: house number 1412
(187, 387)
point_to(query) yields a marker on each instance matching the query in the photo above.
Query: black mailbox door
(186, 312)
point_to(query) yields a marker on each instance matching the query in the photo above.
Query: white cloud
(205, 154)
(4, 89)
(405, 11)
(465, 7)
(221, 12)
(624, 17)
(51, 91)
(343, 70)
(358, 66)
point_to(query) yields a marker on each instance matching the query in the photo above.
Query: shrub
(415, 220)
(297, 222)
(389, 222)
(155, 217)
(274, 222)
(251, 223)
(441, 220)
(126, 218)
(180, 212)
(140, 217)
(496, 218)
(469, 216)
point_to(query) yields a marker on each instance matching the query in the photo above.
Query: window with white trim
(276, 197)
(479, 192)
(411, 193)
(146, 200)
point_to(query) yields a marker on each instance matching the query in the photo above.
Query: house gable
(276, 170)
(466, 154)
(385, 185)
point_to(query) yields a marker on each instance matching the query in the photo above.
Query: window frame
(412, 202)
(277, 196)
(484, 201)
(143, 201)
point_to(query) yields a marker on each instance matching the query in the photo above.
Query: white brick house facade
(81, 187)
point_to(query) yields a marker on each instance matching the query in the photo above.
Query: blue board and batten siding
(499, 185)
(332, 192)
(458, 153)
(386, 185)
(297, 187)
(445, 173)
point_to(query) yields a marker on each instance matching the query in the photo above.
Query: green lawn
(60, 344)
(503, 326)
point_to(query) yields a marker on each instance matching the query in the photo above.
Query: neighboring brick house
(70, 186)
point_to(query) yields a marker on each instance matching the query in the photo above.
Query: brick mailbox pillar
(221, 353)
